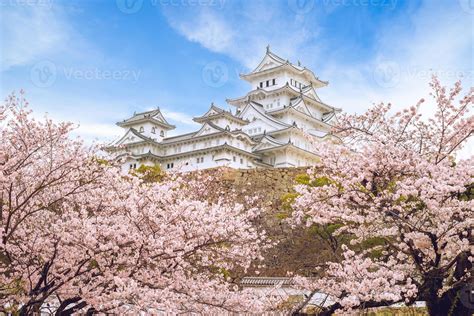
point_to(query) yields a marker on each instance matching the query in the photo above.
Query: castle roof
(215, 112)
(307, 93)
(272, 62)
(154, 116)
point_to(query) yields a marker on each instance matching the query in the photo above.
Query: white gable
(206, 129)
(128, 138)
(258, 127)
(312, 94)
(252, 114)
(265, 143)
(159, 117)
(267, 63)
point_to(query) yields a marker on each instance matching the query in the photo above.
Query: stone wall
(299, 249)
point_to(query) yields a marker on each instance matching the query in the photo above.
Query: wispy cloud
(242, 33)
(31, 32)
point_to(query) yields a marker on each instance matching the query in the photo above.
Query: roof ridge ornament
(268, 48)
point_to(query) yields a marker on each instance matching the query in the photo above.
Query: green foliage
(101, 161)
(321, 182)
(303, 179)
(225, 273)
(373, 243)
(287, 200)
(282, 215)
(149, 173)
(324, 231)
(93, 264)
(468, 194)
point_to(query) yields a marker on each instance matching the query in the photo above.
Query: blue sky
(96, 62)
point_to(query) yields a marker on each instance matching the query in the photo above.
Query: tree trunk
(455, 302)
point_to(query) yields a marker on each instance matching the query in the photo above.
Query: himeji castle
(267, 128)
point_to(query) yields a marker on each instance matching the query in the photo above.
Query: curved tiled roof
(147, 116)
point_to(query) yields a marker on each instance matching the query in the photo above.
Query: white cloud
(31, 32)
(178, 117)
(437, 41)
(244, 34)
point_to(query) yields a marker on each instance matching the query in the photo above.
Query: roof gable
(157, 115)
(267, 62)
(154, 116)
(299, 105)
(213, 110)
(130, 137)
(270, 60)
(208, 128)
(267, 142)
(253, 111)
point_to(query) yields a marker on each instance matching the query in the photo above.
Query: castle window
(261, 84)
(142, 129)
(170, 165)
(153, 130)
(268, 83)
(241, 161)
(162, 133)
(234, 159)
(274, 81)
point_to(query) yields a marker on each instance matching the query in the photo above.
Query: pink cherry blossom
(79, 236)
(395, 180)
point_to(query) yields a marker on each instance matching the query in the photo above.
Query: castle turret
(151, 124)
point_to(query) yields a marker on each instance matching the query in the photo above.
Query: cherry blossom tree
(79, 236)
(396, 188)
